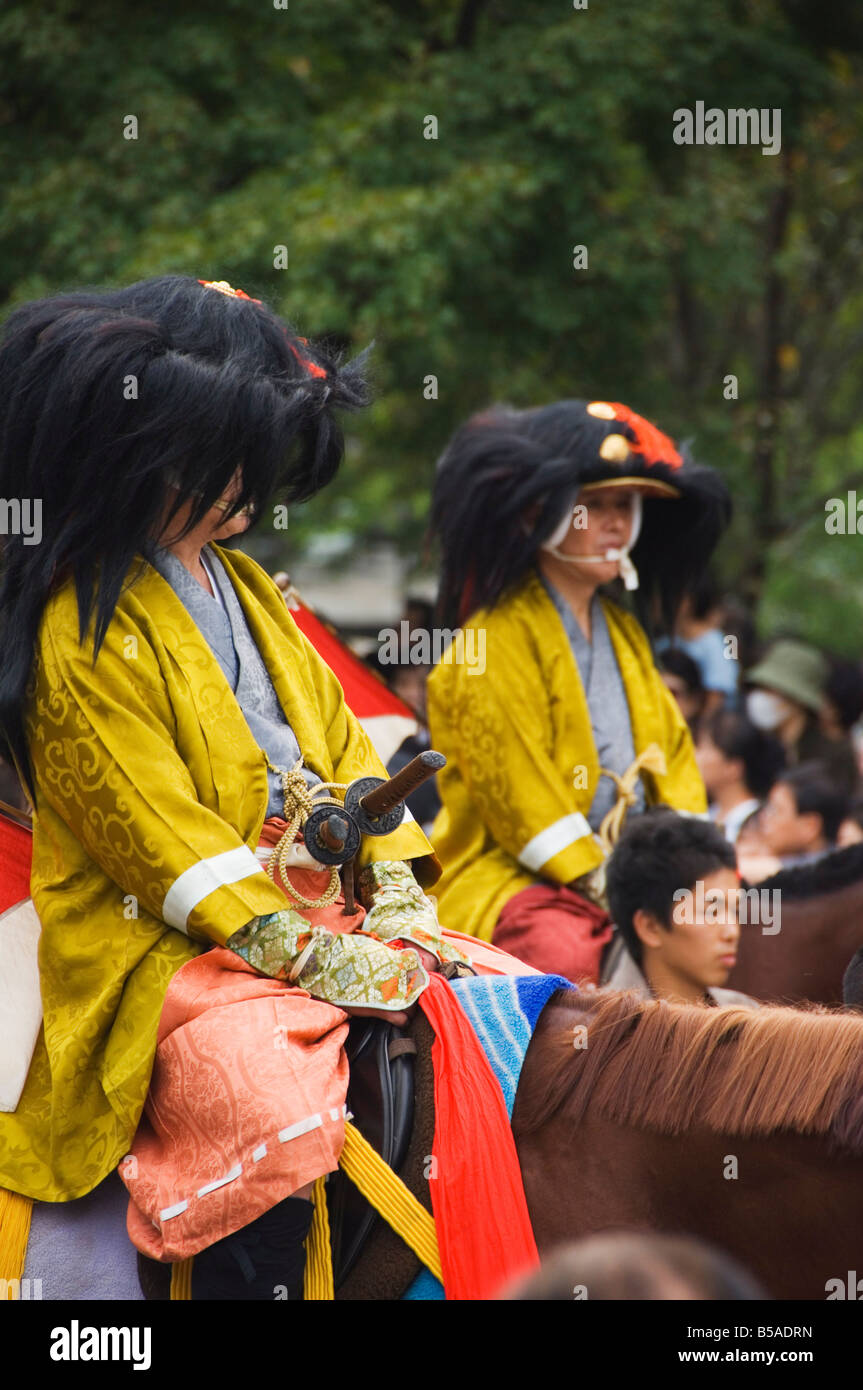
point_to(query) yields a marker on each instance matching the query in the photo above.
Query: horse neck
(807, 957)
(599, 1174)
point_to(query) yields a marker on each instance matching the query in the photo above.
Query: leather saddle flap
(381, 1100)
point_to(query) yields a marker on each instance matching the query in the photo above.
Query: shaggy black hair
(505, 480)
(107, 397)
(658, 853)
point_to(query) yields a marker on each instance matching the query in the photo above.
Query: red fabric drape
(483, 1227)
(555, 930)
(16, 850)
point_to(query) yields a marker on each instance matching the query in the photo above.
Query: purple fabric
(80, 1250)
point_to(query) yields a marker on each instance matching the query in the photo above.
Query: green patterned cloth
(398, 909)
(357, 969)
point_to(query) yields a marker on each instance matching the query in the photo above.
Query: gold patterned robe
(522, 766)
(152, 794)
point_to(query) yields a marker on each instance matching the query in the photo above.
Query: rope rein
(299, 802)
(652, 759)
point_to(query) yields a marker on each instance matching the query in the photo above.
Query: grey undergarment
(606, 702)
(227, 634)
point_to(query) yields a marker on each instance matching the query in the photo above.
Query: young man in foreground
(673, 941)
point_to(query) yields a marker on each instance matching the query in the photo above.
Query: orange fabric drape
(480, 1209)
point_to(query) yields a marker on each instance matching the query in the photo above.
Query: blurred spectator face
(409, 683)
(691, 702)
(783, 828)
(642, 1265)
(717, 771)
(850, 833)
(769, 710)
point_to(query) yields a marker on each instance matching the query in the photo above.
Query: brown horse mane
(669, 1067)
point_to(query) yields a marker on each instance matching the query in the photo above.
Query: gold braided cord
(299, 802)
(181, 1280)
(387, 1194)
(391, 1198)
(15, 1214)
(318, 1277)
(652, 759)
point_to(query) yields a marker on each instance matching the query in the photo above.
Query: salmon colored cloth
(247, 1098)
(246, 1105)
(483, 1227)
(555, 930)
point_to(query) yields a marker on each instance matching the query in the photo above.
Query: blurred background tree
(305, 127)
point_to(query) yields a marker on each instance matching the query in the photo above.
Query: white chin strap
(628, 572)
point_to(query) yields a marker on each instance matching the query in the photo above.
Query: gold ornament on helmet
(615, 448)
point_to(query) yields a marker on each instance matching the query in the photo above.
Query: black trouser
(265, 1260)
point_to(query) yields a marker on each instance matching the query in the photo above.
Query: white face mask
(766, 710)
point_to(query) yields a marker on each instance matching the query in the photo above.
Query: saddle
(381, 1100)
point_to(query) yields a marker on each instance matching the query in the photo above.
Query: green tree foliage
(306, 127)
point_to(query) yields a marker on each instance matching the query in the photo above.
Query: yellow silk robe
(152, 794)
(522, 766)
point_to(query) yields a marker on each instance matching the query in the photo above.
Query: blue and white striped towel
(503, 1010)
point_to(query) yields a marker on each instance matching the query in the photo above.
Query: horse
(819, 912)
(742, 1127)
(768, 1105)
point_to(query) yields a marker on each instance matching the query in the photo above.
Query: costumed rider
(173, 727)
(548, 706)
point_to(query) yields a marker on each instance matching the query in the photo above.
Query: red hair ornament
(224, 288)
(650, 442)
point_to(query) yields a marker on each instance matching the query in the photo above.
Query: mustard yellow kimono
(152, 794)
(522, 767)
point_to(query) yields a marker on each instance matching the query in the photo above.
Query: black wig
(107, 397)
(507, 477)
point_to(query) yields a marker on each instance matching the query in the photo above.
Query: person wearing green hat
(786, 693)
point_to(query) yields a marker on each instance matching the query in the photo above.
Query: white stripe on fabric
(470, 1003)
(204, 878)
(176, 1210)
(220, 1182)
(550, 841)
(301, 1127)
(292, 1132)
(519, 1044)
(512, 1060)
(695, 815)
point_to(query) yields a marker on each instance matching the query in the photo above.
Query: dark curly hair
(658, 853)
